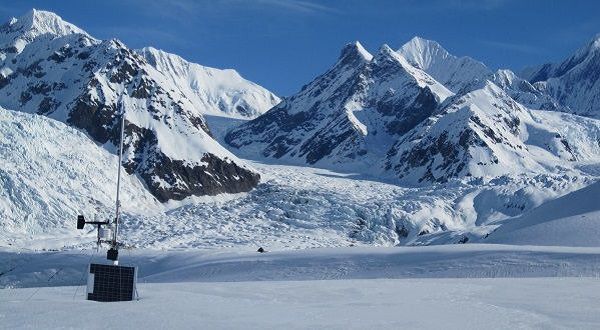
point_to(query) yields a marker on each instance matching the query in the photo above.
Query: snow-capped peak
(593, 44)
(37, 22)
(596, 41)
(386, 51)
(362, 51)
(216, 91)
(422, 52)
(17, 33)
(354, 53)
(387, 54)
(506, 75)
(455, 73)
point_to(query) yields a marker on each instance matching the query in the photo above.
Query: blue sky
(283, 44)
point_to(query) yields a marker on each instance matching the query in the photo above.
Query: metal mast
(118, 202)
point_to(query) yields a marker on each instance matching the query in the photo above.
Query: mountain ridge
(71, 77)
(496, 125)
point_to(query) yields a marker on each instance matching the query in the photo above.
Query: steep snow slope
(216, 92)
(348, 116)
(50, 172)
(575, 82)
(455, 73)
(50, 67)
(571, 220)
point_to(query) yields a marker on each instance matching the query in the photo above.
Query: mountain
(483, 134)
(53, 68)
(216, 92)
(51, 172)
(451, 149)
(348, 116)
(527, 94)
(383, 116)
(574, 82)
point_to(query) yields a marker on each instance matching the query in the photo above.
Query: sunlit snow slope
(50, 172)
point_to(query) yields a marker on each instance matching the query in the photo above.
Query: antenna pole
(118, 202)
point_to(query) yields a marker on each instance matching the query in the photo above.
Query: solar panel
(111, 283)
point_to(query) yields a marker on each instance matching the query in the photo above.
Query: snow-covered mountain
(50, 67)
(574, 82)
(216, 92)
(388, 116)
(530, 95)
(347, 117)
(485, 133)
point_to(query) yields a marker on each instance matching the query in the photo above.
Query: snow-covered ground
(548, 303)
(29, 268)
(451, 286)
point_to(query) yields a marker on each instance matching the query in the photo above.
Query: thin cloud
(437, 6)
(185, 12)
(480, 4)
(521, 48)
(181, 11)
(300, 6)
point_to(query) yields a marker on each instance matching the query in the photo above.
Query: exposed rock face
(215, 177)
(51, 67)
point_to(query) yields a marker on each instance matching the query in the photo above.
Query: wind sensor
(110, 282)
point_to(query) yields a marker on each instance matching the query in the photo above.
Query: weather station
(110, 282)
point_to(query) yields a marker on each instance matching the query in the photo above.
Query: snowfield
(547, 303)
(464, 286)
(23, 268)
